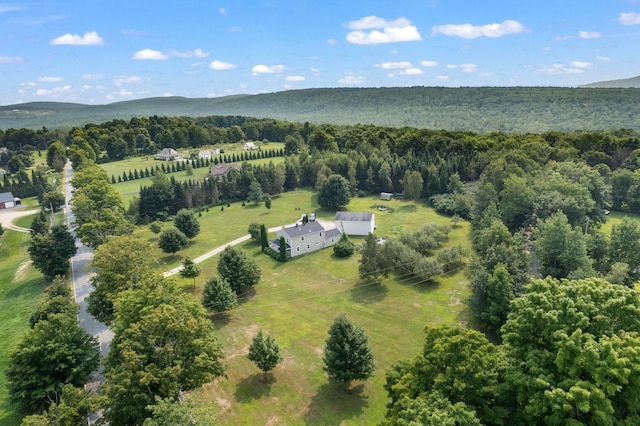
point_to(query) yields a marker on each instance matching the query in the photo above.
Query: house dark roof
(303, 229)
(354, 216)
(221, 169)
(6, 196)
(335, 232)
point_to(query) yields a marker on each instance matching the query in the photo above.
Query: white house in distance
(7, 200)
(303, 238)
(355, 223)
(250, 146)
(205, 154)
(167, 154)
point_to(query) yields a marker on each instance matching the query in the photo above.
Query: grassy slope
(20, 292)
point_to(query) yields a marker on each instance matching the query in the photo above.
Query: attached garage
(355, 223)
(7, 200)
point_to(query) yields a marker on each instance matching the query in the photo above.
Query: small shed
(356, 223)
(167, 154)
(386, 196)
(7, 200)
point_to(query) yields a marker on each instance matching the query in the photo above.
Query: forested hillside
(477, 109)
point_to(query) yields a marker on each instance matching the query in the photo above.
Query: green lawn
(297, 301)
(20, 292)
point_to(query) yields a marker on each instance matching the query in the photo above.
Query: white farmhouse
(303, 238)
(355, 223)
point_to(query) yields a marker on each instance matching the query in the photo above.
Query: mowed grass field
(297, 301)
(20, 293)
(131, 188)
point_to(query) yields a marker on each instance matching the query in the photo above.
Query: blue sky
(98, 51)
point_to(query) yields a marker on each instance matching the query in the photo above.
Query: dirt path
(7, 216)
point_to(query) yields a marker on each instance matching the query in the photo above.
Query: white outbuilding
(355, 223)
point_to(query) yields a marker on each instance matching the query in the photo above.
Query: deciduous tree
(190, 269)
(412, 185)
(265, 353)
(51, 252)
(172, 240)
(334, 192)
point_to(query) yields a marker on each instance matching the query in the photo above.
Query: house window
(332, 240)
(297, 248)
(302, 238)
(321, 233)
(308, 246)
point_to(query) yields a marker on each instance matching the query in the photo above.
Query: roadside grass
(20, 293)
(297, 301)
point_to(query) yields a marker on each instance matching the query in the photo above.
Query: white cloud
(125, 93)
(429, 63)
(264, 69)
(557, 69)
(149, 54)
(331, 42)
(88, 39)
(443, 77)
(589, 34)
(167, 94)
(49, 79)
(474, 31)
(579, 64)
(468, 67)
(29, 84)
(9, 8)
(43, 92)
(396, 31)
(603, 58)
(221, 66)
(629, 18)
(451, 66)
(198, 53)
(62, 89)
(564, 37)
(294, 78)
(222, 11)
(394, 65)
(126, 79)
(411, 71)
(314, 69)
(351, 79)
(10, 59)
(92, 76)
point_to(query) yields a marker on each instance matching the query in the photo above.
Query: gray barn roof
(354, 216)
(6, 196)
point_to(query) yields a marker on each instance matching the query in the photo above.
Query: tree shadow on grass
(422, 286)
(368, 292)
(220, 320)
(253, 387)
(332, 404)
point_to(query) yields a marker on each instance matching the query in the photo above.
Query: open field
(20, 292)
(297, 301)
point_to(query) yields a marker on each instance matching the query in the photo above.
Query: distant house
(250, 146)
(222, 169)
(354, 223)
(205, 154)
(216, 151)
(167, 154)
(7, 200)
(3, 150)
(303, 238)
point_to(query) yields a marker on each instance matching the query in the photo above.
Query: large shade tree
(240, 271)
(334, 192)
(51, 251)
(187, 223)
(163, 344)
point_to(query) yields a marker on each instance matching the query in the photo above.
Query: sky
(99, 51)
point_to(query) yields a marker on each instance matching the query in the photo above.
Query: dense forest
(560, 350)
(477, 109)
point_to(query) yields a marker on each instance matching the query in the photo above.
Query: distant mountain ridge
(623, 83)
(477, 109)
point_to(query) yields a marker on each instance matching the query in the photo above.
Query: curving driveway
(7, 216)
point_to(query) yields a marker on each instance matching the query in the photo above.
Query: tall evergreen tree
(347, 356)
(218, 296)
(265, 353)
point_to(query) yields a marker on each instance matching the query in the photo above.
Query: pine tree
(264, 237)
(218, 296)
(347, 355)
(265, 353)
(283, 250)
